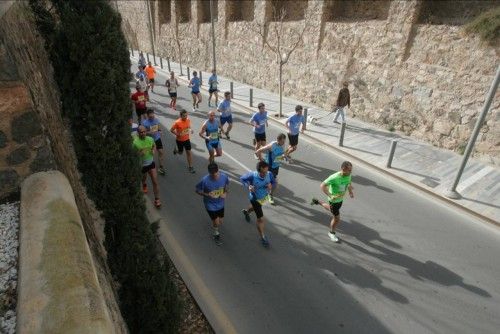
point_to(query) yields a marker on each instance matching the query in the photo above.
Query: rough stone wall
(423, 79)
(40, 98)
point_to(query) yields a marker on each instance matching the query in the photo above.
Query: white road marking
(471, 180)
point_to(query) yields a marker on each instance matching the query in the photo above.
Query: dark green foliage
(92, 69)
(486, 25)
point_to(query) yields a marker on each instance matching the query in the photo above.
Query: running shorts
(159, 144)
(228, 119)
(213, 90)
(335, 208)
(212, 145)
(152, 80)
(257, 207)
(216, 214)
(147, 168)
(274, 171)
(260, 136)
(181, 145)
(174, 94)
(293, 139)
(195, 92)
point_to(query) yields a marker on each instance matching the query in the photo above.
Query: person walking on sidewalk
(335, 187)
(150, 73)
(172, 85)
(139, 99)
(226, 115)
(182, 129)
(259, 123)
(343, 101)
(295, 124)
(210, 132)
(145, 146)
(259, 184)
(195, 84)
(212, 88)
(152, 125)
(275, 154)
(213, 187)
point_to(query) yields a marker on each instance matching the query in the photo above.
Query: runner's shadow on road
(358, 179)
(428, 270)
(308, 170)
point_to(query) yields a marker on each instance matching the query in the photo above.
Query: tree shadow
(358, 179)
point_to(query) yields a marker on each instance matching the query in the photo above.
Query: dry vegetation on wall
(94, 51)
(487, 26)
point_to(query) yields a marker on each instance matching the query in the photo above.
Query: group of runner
(261, 183)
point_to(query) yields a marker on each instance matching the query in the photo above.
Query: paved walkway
(427, 167)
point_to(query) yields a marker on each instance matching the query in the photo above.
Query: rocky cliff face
(411, 67)
(35, 137)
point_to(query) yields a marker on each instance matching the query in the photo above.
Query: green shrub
(486, 25)
(92, 69)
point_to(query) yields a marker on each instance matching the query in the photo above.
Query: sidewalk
(420, 164)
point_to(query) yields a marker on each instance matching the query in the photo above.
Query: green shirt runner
(145, 149)
(337, 185)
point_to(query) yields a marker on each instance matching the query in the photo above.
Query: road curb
(214, 313)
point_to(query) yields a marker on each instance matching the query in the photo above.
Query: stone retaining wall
(407, 73)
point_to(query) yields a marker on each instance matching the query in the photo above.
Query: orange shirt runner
(183, 128)
(150, 72)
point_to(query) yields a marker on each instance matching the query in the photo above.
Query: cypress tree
(92, 69)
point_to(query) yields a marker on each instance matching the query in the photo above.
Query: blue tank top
(260, 186)
(195, 82)
(275, 155)
(212, 131)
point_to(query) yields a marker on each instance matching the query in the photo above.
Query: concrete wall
(35, 104)
(408, 71)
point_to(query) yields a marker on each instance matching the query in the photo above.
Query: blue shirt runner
(215, 188)
(260, 192)
(260, 121)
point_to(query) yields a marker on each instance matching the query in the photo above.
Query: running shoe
(157, 203)
(264, 241)
(227, 135)
(314, 201)
(191, 170)
(256, 156)
(247, 215)
(161, 170)
(333, 236)
(270, 198)
(175, 151)
(217, 239)
(145, 188)
(194, 109)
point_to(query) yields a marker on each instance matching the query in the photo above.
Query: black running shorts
(257, 207)
(335, 208)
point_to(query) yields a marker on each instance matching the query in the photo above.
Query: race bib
(140, 98)
(214, 135)
(264, 200)
(217, 193)
(342, 188)
(184, 132)
(154, 128)
(279, 158)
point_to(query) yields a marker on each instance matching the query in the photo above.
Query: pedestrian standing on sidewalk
(151, 73)
(152, 125)
(145, 146)
(335, 187)
(259, 123)
(212, 88)
(172, 85)
(295, 124)
(182, 129)
(210, 132)
(259, 184)
(195, 84)
(226, 115)
(275, 154)
(213, 187)
(343, 101)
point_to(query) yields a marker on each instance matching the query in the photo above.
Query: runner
(133, 127)
(260, 184)
(152, 125)
(142, 60)
(140, 73)
(226, 115)
(293, 124)
(145, 147)
(195, 84)
(172, 85)
(182, 129)
(151, 73)
(210, 132)
(259, 123)
(213, 188)
(212, 88)
(142, 82)
(139, 99)
(335, 187)
(275, 154)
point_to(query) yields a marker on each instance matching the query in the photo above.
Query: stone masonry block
(25, 127)
(9, 179)
(18, 156)
(3, 139)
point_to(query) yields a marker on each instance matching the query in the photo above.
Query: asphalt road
(406, 264)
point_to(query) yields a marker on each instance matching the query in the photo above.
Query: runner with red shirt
(139, 99)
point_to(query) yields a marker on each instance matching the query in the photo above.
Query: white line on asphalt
(468, 182)
(236, 160)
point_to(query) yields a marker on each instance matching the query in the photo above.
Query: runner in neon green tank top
(335, 187)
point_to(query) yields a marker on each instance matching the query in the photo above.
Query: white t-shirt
(173, 84)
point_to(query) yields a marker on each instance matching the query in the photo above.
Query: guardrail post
(391, 153)
(161, 63)
(251, 97)
(341, 137)
(147, 56)
(132, 52)
(168, 64)
(305, 117)
(189, 74)
(201, 78)
(231, 88)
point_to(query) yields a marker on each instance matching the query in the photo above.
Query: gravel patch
(9, 244)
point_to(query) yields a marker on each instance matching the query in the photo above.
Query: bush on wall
(92, 69)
